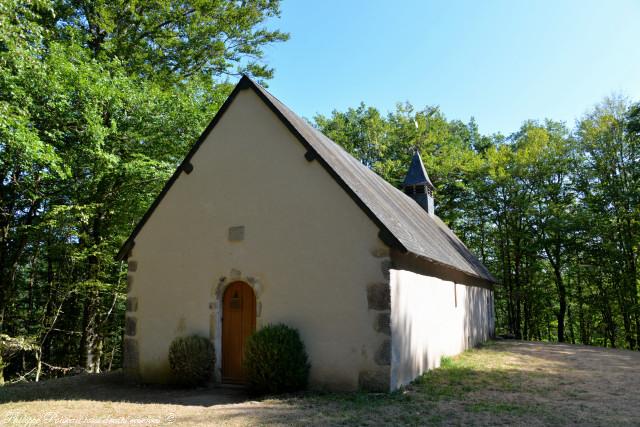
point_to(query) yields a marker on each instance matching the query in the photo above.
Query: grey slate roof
(417, 175)
(400, 219)
(418, 232)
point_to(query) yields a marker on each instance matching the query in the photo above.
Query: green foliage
(171, 41)
(10, 347)
(276, 360)
(192, 360)
(99, 101)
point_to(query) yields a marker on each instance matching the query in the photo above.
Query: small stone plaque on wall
(236, 234)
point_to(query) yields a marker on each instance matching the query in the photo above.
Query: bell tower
(417, 184)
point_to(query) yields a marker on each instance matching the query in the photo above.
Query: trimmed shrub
(276, 360)
(192, 360)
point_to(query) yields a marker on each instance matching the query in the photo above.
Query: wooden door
(238, 322)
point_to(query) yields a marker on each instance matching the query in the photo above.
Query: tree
(549, 174)
(172, 41)
(609, 139)
(100, 101)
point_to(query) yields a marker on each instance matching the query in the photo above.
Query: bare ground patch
(503, 383)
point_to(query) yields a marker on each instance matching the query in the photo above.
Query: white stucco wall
(308, 246)
(426, 322)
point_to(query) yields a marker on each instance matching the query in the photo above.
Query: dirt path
(588, 385)
(504, 383)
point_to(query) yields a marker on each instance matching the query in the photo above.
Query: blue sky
(500, 61)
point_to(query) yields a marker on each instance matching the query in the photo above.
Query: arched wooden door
(238, 322)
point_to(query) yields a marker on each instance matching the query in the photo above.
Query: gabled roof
(417, 175)
(403, 224)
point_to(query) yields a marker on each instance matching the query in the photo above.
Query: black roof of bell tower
(417, 175)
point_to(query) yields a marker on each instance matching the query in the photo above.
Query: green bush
(276, 360)
(192, 360)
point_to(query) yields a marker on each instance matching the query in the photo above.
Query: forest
(100, 100)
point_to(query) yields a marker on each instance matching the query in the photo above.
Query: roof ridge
(402, 222)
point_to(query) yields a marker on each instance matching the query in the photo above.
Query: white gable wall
(307, 245)
(432, 318)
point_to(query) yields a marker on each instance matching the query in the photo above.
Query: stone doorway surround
(215, 306)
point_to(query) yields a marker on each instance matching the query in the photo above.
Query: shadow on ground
(505, 382)
(112, 387)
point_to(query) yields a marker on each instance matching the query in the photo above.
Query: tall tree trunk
(562, 300)
(584, 337)
(89, 338)
(571, 334)
(553, 254)
(607, 314)
(38, 364)
(518, 285)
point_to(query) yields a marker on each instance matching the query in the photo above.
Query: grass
(503, 383)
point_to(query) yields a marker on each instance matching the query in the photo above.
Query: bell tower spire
(417, 184)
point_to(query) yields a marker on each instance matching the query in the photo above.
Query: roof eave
(487, 279)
